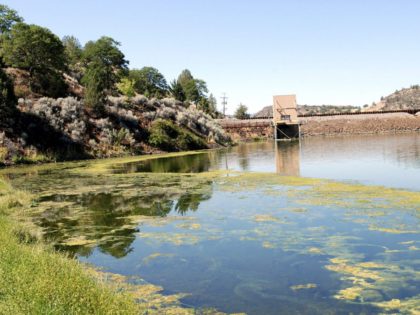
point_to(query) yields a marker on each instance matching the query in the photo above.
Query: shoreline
(260, 130)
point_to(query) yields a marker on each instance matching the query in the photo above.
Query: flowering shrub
(196, 120)
(128, 124)
(64, 114)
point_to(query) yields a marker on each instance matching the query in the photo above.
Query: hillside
(267, 111)
(408, 98)
(61, 100)
(43, 129)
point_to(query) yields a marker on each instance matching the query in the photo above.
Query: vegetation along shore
(62, 101)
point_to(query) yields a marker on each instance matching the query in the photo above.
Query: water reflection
(288, 158)
(253, 242)
(193, 163)
(389, 160)
(109, 214)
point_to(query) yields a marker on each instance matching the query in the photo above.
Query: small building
(285, 118)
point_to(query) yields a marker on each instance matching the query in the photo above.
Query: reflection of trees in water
(106, 219)
(190, 202)
(192, 163)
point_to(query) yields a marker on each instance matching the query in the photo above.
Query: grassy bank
(36, 280)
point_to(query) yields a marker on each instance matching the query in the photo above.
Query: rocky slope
(408, 98)
(46, 129)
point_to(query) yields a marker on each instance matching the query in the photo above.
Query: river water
(320, 226)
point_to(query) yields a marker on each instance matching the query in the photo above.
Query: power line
(224, 103)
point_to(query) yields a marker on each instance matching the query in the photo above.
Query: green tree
(95, 96)
(149, 82)
(7, 100)
(208, 105)
(73, 52)
(105, 65)
(185, 76)
(8, 17)
(241, 112)
(176, 90)
(212, 103)
(40, 52)
(194, 89)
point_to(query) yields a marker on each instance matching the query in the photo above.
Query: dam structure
(285, 117)
(285, 123)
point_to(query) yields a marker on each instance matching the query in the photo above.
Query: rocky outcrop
(408, 98)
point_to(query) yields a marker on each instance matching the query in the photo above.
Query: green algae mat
(258, 243)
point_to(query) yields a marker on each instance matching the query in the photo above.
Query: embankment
(328, 125)
(360, 124)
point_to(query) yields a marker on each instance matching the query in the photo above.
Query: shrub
(126, 87)
(64, 114)
(165, 135)
(7, 100)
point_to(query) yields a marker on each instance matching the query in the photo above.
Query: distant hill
(408, 98)
(267, 111)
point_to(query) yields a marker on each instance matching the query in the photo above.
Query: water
(225, 228)
(388, 160)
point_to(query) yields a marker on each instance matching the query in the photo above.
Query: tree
(213, 102)
(73, 52)
(95, 96)
(208, 105)
(7, 100)
(149, 82)
(176, 90)
(185, 76)
(241, 112)
(105, 65)
(40, 52)
(194, 89)
(8, 17)
(212, 105)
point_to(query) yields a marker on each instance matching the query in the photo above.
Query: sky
(342, 52)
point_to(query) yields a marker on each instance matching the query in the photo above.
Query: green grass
(36, 280)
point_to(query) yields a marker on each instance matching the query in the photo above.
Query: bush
(64, 114)
(165, 135)
(7, 101)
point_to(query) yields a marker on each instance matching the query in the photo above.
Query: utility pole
(224, 103)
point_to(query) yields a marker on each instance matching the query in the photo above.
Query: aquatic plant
(148, 202)
(38, 280)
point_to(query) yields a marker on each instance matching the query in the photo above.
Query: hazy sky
(325, 51)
